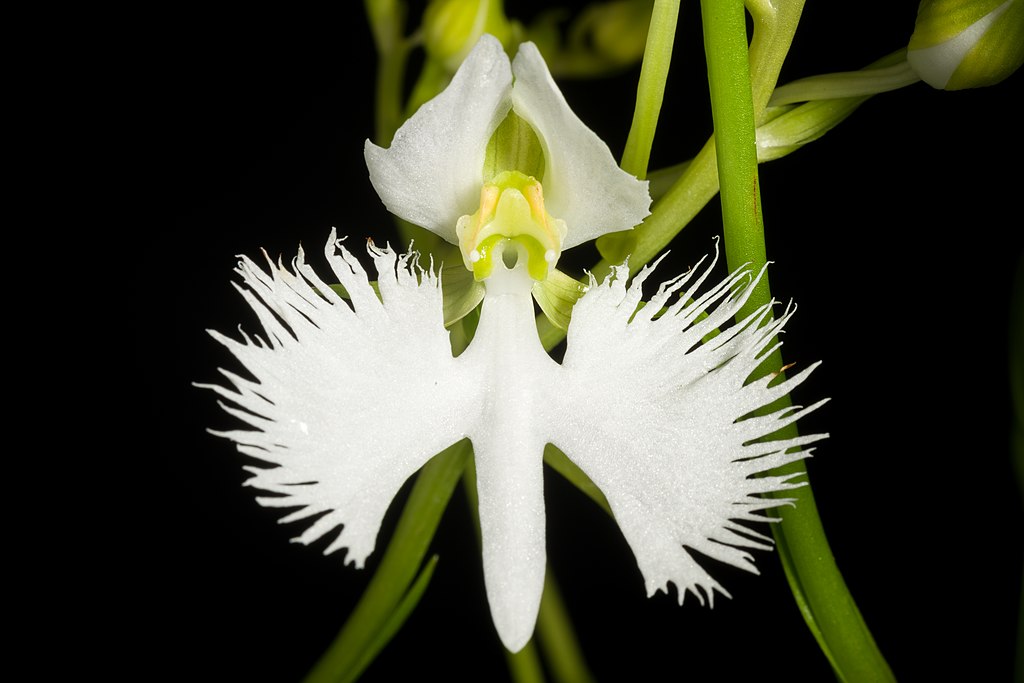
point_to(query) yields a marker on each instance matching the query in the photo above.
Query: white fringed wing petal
(349, 399)
(661, 422)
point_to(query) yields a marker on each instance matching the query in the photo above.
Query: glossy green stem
(386, 18)
(818, 587)
(650, 91)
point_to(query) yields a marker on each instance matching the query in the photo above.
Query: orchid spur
(351, 397)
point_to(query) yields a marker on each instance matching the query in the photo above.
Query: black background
(897, 234)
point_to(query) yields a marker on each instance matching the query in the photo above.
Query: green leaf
(393, 586)
(559, 462)
(343, 293)
(557, 639)
(391, 627)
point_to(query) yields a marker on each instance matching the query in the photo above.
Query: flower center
(512, 224)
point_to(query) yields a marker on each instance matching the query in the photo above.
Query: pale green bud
(618, 30)
(960, 44)
(452, 27)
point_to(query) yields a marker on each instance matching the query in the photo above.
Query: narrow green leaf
(398, 567)
(340, 290)
(559, 462)
(557, 640)
(524, 666)
(391, 627)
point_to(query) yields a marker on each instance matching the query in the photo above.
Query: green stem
(524, 666)
(774, 27)
(385, 17)
(846, 84)
(650, 91)
(344, 660)
(818, 586)
(725, 47)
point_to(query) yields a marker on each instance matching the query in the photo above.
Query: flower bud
(452, 27)
(960, 44)
(618, 30)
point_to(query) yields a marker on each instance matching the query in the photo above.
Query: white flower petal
(653, 416)
(433, 171)
(348, 400)
(583, 185)
(508, 446)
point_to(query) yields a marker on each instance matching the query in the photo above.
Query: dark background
(897, 234)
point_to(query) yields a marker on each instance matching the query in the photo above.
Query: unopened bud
(960, 44)
(452, 27)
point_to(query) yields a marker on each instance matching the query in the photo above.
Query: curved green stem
(385, 17)
(650, 91)
(725, 43)
(827, 606)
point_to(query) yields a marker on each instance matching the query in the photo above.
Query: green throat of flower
(512, 225)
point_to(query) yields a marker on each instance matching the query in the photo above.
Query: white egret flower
(351, 397)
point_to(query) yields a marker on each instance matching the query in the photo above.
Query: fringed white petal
(349, 399)
(433, 171)
(660, 421)
(583, 185)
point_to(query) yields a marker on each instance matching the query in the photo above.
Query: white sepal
(433, 171)
(583, 185)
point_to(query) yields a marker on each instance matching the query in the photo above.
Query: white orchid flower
(351, 397)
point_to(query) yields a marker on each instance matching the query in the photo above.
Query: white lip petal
(583, 185)
(433, 170)
(508, 446)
